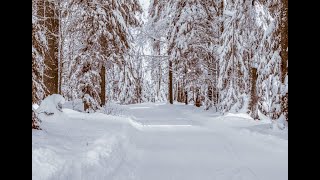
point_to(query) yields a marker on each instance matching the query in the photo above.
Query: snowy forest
(223, 55)
(218, 57)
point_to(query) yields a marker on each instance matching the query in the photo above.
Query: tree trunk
(198, 101)
(160, 73)
(60, 50)
(253, 105)
(221, 16)
(51, 77)
(103, 85)
(284, 54)
(86, 106)
(170, 83)
(40, 13)
(159, 83)
(186, 98)
(179, 98)
(180, 93)
(210, 93)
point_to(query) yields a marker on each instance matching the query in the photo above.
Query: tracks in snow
(157, 142)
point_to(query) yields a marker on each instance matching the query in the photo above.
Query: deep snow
(158, 141)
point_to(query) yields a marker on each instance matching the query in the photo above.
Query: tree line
(224, 55)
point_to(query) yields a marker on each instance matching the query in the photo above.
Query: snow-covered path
(160, 141)
(178, 143)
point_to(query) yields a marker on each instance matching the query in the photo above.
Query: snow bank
(265, 130)
(281, 122)
(99, 146)
(240, 115)
(91, 160)
(76, 105)
(45, 162)
(51, 108)
(81, 145)
(51, 105)
(106, 155)
(277, 125)
(112, 109)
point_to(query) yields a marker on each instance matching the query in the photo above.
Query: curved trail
(178, 143)
(158, 142)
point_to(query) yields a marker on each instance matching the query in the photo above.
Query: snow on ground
(158, 141)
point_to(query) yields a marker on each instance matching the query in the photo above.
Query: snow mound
(280, 123)
(51, 105)
(35, 106)
(76, 105)
(45, 162)
(82, 146)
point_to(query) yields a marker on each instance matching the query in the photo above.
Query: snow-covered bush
(281, 122)
(51, 105)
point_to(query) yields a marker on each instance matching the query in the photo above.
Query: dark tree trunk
(170, 83)
(51, 77)
(284, 54)
(221, 15)
(198, 101)
(103, 85)
(186, 98)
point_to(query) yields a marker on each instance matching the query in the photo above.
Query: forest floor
(159, 142)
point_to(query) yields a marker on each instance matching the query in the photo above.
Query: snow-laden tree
(222, 54)
(39, 49)
(234, 72)
(269, 59)
(103, 27)
(190, 40)
(155, 32)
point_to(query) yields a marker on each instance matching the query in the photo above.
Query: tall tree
(156, 30)
(105, 37)
(268, 54)
(39, 49)
(50, 12)
(284, 58)
(233, 76)
(191, 37)
(45, 40)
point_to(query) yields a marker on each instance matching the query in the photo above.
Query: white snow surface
(159, 142)
(50, 105)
